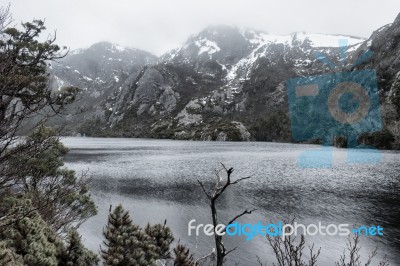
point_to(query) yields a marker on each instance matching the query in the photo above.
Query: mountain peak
(218, 42)
(114, 47)
(397, 20)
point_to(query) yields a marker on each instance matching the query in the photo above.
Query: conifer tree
(162, 237)
(28, 235)
(57, 193)
(126, 244)
(8, 257)
(183, 256)
(24, 90)
(75, 254)
(37, 195)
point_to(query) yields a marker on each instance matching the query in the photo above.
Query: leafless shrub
(354, 257)
(289, 253)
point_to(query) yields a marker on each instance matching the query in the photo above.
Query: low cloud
(160, 25)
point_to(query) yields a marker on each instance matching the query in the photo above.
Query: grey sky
(159, 25)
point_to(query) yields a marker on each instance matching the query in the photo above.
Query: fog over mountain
(158, 26)
(223, 83)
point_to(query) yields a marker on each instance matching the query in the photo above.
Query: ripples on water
(156, 179)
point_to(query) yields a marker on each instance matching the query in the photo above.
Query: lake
(157, 180)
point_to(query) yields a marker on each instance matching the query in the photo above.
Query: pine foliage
(75, 253)
(162, 237)
(27, 236)
(183, 256)
(126, 244)
(60, 196)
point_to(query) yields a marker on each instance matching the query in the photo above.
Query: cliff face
(229, 84)
(99, 71)
(384, 44)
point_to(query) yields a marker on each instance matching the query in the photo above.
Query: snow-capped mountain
(103, 61)
(239, 53)
(229, 43)
(227, 83)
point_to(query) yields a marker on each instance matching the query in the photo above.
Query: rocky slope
(227, 83)
(98, 71)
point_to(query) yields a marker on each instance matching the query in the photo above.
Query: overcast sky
(160, 25)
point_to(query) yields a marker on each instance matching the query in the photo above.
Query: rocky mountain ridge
(97, 71)
(224, 83)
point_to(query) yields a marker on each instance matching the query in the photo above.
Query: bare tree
(288, 253)
(354, 258)
(213, 196)
(5, 17)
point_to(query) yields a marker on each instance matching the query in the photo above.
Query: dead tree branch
(213, 196)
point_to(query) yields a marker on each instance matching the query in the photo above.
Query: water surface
(157, 180)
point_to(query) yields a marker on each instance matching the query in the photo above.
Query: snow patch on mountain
(207, 46)
(77, 51)
(119, 48)
(352, 48)
(316, 40)
(324, 40)
(59, 83)
(261, 39)
(246, 63)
